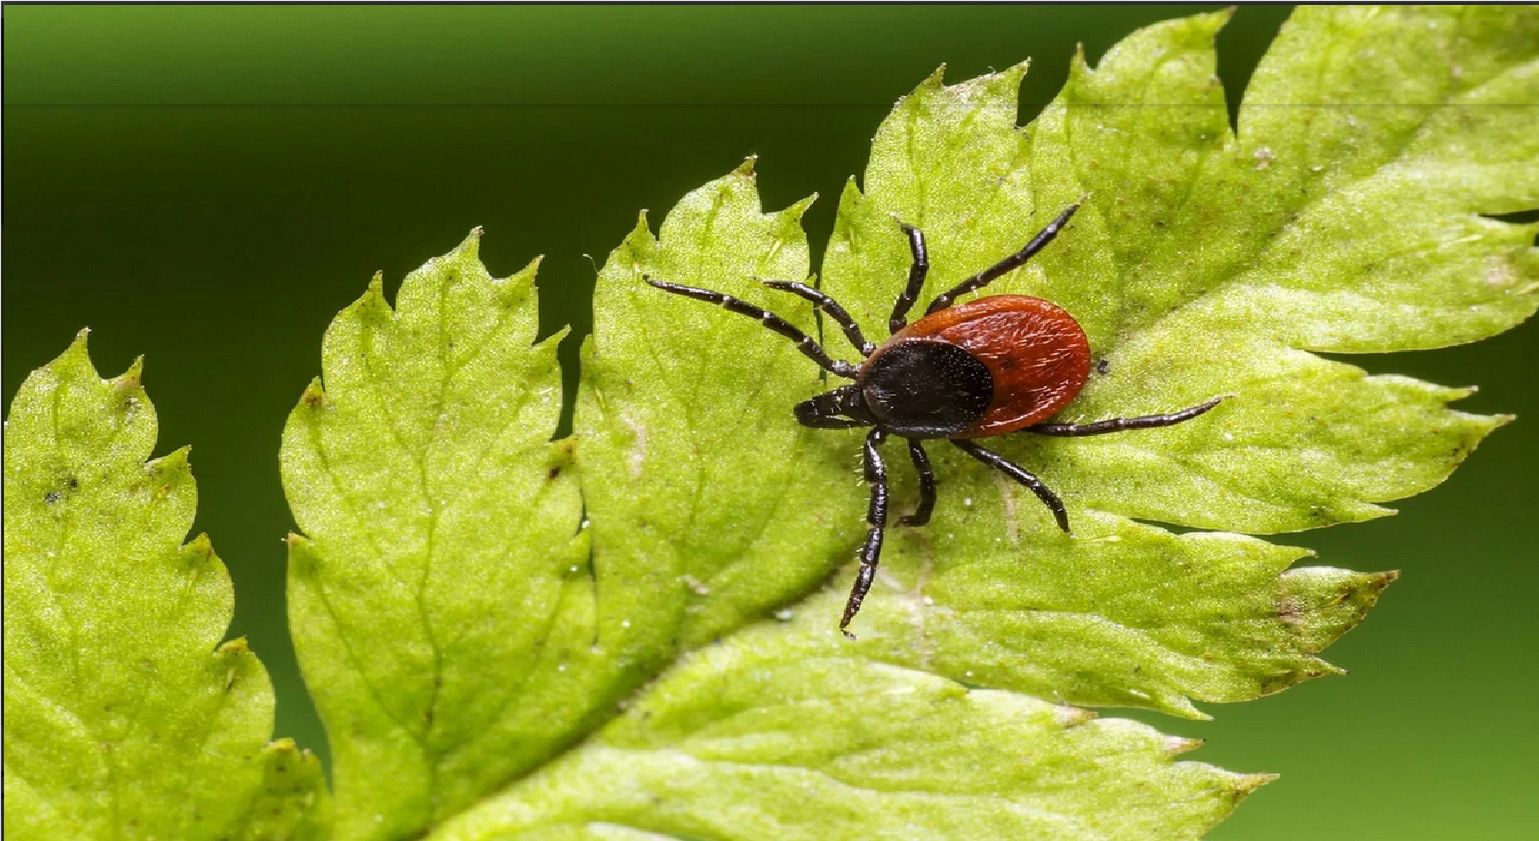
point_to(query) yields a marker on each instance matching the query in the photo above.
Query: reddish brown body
(1036, 352)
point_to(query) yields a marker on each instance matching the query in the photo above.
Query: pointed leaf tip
(1079, 66)
(1247, 784)
(77, 356)
(469, 248)
(176, 461)
(237, 647)
(201, 545)
(281, 746)
(132, 377)
(373, 297)
(1211, 22)
(1178, 745)
(1015, 73)
(794, 212)
(314, 395)
(1069, 716)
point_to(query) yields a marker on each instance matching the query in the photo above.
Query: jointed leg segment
(822, 301)
(1071, 430)
(921, 461)
(1016, 260)
(804, 343)
(876, 522)
(1019, 474)
(916, 275)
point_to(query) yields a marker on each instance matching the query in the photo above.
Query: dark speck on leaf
(1289, 611)
(1102, 366)
(70, 483)
(554, 472)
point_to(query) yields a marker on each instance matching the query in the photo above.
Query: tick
(991, 366)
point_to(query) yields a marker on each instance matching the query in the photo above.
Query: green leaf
(441, 601)
(1196, 264)
(125, 717)
(695, 408)
(789, 733)
(482, 659)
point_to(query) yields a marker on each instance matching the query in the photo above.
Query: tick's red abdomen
(1037, 353)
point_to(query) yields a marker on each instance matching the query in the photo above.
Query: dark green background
(208, 186)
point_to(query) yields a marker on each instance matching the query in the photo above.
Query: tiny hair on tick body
(991, 366)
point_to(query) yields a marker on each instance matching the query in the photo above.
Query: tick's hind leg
(1019, 474)
(1073, 430)
(876, 522)
(921, 461)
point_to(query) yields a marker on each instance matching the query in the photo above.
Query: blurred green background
(208, 186)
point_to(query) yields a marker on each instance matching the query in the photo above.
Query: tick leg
(916, 274)
(804, 343)
(1019, 474)
(832, 409)
(921, 461)
(1072, 430)
(876, 522)
(839, 314)
(988, 275)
